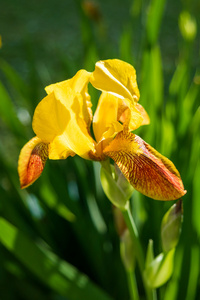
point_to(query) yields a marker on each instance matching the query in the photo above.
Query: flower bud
(127, 251)
(150, 254)
(120, 224)
(171, 226)
(160, 269)
(117, 189)
(188, 26)
(32, 160)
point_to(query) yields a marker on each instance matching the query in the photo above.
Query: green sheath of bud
(171, 226)
(127, 251)
(116, 187)
(188, 26)
(159, 270)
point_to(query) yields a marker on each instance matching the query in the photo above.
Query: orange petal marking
(32, 160)
(147, 170)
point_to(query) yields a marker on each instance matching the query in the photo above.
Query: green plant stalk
(132, 285)
(150, 294)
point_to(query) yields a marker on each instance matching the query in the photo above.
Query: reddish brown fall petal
(147, 170)
(32, 160)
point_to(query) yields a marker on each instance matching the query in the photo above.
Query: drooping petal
(32, 160)
(116, 77)
(146, 169)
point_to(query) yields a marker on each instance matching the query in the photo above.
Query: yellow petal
(79, 84)
(32, 160)
(58, 149)
(116, 77)
(105, 117)
(65, 113)
(50, 118)
(145, 116)
(146, 169)
(138, 117)
(76, 133)
(132, 115)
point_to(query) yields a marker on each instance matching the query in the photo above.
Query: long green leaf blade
(59, 275)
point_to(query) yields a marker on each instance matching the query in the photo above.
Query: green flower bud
(188, 26)
(119, 221)
(117, 189)
(127, 251)
(150, 254)
(171, 226)
(160, 269)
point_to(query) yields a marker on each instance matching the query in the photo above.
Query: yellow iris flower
(62, 123)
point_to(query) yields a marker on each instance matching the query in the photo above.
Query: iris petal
(145, 116)
(116, 77)
(105, 117)
(32, 160)
(132, 115)
(65, 115)
(146, 169)
(58, 149)
(50, 118)
(79, 84)
(76, 134)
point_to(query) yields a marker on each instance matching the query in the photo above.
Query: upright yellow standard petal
(63, 118)
(58, 149)
(147, 170)
(79, 84)
(116, 77)
(76, 134)
(50, 118)
(106, 116)
(32, 160)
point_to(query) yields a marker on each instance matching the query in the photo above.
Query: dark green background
(49, 41)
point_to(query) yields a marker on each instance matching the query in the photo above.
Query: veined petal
(105, 116)
(32, 160)
(147, 170)
(116, 77)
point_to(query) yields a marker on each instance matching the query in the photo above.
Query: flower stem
(150, 294)
(132, 286)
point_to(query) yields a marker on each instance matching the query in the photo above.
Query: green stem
(132, 286)
(150, 294)
(154, 294)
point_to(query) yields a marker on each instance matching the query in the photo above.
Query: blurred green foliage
(57, 238)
